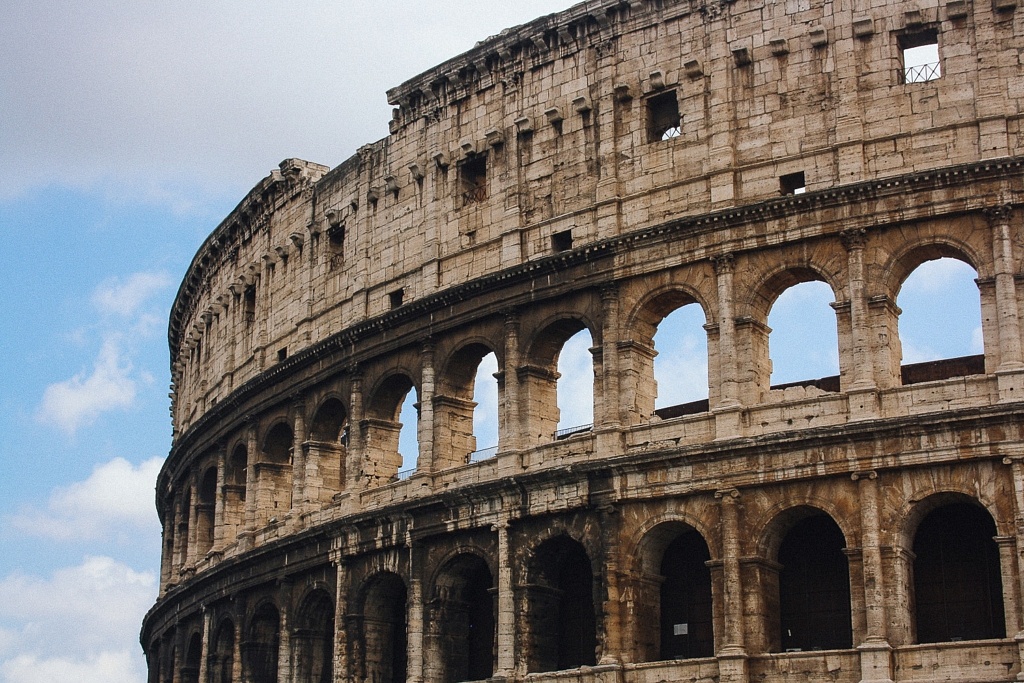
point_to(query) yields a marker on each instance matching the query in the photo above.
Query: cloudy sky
(127, 131)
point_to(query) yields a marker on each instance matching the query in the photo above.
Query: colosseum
(593, 172)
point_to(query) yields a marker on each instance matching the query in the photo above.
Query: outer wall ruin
(596, 170)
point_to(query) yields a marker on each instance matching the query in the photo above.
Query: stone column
(425, 428)
(1010, 366)
(1009, 568)
(357, 439)
(863, 398)
(506, 603)
(252, 455)
(341, 663)
(284, 650)
(611, 646)
(875, 652)
(732, 656)
(727, 412)
(219, 497)
(414, 645)
(511, 428)
(236, 652)
(205, 649)
(611, 416)
(298, 456)
(1007, 559)
(191, 548)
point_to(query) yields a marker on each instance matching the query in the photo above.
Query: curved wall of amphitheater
(596, 170)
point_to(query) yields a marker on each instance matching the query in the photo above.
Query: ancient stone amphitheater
(595, 170)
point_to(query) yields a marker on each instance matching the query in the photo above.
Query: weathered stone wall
(528, 190)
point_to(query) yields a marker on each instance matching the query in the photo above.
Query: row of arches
(410, 417)
(955, 593)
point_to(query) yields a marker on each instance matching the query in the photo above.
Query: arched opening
(940, 332)
(328, 440)
(803, 341)
(814, 585)
(392, 443)
(466, 407)
(205, 511)
(575, 385)
(686, 609)
(680, 345)
(274, 475)
(557, 383)
(260, 649)
(181, 537)
(384, 630)
(461, 632)
(221, 664)
(314, 639)
(562, 629)
(193, 657)
(485, 414)
(957, 578)
(234, 492)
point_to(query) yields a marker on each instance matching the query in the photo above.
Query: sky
(128, 130)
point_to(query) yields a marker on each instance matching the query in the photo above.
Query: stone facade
(596, 170)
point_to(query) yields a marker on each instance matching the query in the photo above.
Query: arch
(381, 650)
(221, 664)
(205, 511)
(675, 589)
(274, 474)
(813, 583)
(313, 639)
(804, 337)
(193, 658)
(260, 647)
(654, 389)
(561, 630)
(327, 449)
(456, 404)
(461, 626)
(383, 460)
(181, 537)
(957, 580)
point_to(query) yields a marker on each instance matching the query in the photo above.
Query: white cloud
(576, 385)
(79, 624)
(80, 400)
(938, 276)
(115, 501)
(115, 296)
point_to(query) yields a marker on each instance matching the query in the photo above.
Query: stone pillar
(1015, 568)
(252, 455)
(732, 656)
(875, 652)
(611, 416)
(414, 646)
(425, 428)
(298, 456)
(357, 439)
(192, 546)
(510, 429)
(341, 662)
(612, 638)
(728, 410)
(506, 603)
(863, 399)
(284, 650)
(1011, 365)
(236, 653)
(1007, 559)
(205, 650)
(219, 497)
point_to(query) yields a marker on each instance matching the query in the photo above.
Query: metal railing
(921, 73)
(483, 454)
(405, 474)
(569, 431)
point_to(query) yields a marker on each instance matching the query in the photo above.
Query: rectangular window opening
(282, 354)
(249, 305)
(792, 183)
(473, 179)
(919, 57)
(561, 241)
(395, 298)
(663, 121)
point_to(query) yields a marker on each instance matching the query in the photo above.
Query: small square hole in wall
(663, 122)
(561, 241)
(395, 298)
(792, 183)
(919, 57)
(282, 354)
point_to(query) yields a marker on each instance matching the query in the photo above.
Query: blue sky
(127, 132)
